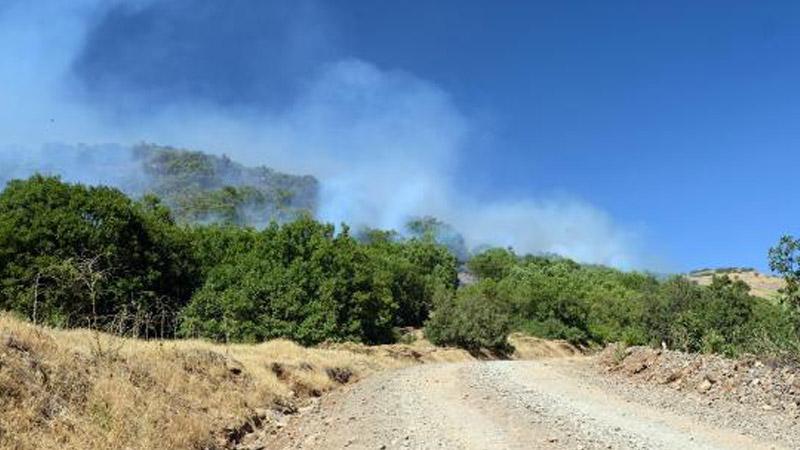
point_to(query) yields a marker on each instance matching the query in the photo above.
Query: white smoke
(384, 143)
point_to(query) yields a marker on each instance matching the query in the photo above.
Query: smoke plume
(265, 83)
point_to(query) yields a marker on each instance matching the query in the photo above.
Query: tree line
(554, 297)
(89, 256)
(75, 255)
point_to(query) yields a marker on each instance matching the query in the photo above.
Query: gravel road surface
(547, 404)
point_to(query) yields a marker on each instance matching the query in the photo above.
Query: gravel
(756, 398)
(567, 403)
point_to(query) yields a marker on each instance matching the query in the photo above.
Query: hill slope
(80, 389)
(206, 188)
(197, 186)
(761, 285)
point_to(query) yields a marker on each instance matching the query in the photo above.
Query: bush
(559, 299)
(299, 281)
(72, 255)
(784, 259)
(474, 319)
(494, 263)
(692, 318)
(772, 332)
(302, 281)
(416, 268)
(76, 255)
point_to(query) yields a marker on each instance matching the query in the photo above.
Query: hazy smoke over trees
(266, 83)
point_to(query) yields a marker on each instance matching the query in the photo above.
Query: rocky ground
(559, 403)
(746, 381)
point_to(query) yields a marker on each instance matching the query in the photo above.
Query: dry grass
(80, 389)
(761, 285)
(530, 347)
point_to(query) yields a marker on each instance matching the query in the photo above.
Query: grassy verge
(81, 389)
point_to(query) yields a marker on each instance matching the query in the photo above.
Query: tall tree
(784, 259)
(82, 254)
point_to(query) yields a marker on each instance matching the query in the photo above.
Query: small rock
(704, 386)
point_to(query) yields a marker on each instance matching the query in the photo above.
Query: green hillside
(204, 188)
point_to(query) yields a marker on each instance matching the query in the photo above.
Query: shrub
(300, 281)
(476, 318)
(784, 259)
(547, 306)
(416, 269)
(559, 299)
(77, 255)
(494, 263)
(714, 319)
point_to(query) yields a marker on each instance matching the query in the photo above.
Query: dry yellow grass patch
(79, 389)
(761, 285)
(530, 347)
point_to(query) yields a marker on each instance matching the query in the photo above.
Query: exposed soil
(564, 403)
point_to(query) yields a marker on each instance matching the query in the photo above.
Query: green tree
(86, 255)
(428, 267)
(494, 263)
(215, 244)
(300, 281)
(784, 259)
(475, 318)
(429, 228)
(416, 268)
(692, 318)
(549, 299)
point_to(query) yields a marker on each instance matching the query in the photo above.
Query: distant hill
(206, 188)
(198, 187)
(761, 285)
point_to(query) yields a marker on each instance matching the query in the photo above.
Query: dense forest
(73, 255)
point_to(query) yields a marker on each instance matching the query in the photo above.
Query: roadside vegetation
(80, 256)
(557, 298)
(82, 389)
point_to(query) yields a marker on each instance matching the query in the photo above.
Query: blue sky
(682, 118)
(660, 135)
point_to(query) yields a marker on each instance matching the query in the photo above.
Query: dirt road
(548, 404)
